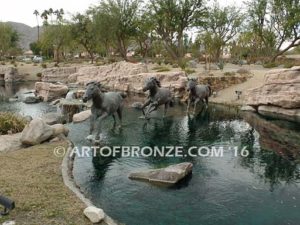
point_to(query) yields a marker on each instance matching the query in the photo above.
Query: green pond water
(261, 189)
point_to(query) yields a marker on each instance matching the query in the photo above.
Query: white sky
(22, 10)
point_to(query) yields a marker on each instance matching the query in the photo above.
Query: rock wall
(280, 93)
(58, 74)
(128, 77)
(218, 83)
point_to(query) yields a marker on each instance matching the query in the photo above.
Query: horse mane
(157, 82)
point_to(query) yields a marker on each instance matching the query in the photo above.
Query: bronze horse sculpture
(197, 93)
(157, 96)
(104, 105)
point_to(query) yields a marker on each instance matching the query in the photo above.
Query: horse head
(191, 84)
(151, 83)
(92, 89)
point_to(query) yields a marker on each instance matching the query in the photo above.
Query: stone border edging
(68, 179)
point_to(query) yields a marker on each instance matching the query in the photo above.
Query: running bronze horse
(197, 93)
(104, 105)
(157, 96)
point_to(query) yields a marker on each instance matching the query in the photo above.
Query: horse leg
(195, 105)
(152, 108)
(114, 117)
(92, 123)
(188, 106)
(166, 108)
(145, 105)
(119, 111)
(99, 121)
(206, 102)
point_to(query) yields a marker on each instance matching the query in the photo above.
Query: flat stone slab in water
(168, 175)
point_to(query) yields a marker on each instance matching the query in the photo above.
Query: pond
(21, 89)
(262, 188)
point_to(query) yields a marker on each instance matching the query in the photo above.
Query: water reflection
(241, 184)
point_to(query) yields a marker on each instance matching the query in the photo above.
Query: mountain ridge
(27, 33)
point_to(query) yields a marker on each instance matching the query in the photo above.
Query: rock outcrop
(50, 91)
(169, 175)
(128, 77)
(9, 74)
(280, 93)
(58, 74)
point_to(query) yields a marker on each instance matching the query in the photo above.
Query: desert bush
(189, 71)
(3, 63)
(270, 65)
(44, 65)
(288, 65)
(11, 123)
(229, 73)
(161, 69)
(39, 75)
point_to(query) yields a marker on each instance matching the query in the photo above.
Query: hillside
(27, 34)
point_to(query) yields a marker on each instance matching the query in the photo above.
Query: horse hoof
(90, 137)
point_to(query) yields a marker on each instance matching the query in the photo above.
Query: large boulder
(59, 129)
(54, 118)
(82, 116)
(281, 88)
(36, 132)
(49, 91)
(94, 214)
(279, 94)
(32, 99)
(169, 175)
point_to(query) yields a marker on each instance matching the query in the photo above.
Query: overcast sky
(22, 10)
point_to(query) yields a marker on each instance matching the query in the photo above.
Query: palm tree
(36, 13)
(50, 12)
(44, 16)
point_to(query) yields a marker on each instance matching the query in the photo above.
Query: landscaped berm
(32, 177)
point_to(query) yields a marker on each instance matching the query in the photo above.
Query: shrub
(270, 65)
(189, 71)
(3, 63)
(44, 65)
(229, 73)
(175, 65)
(162, 69)
(34, 64)
(288, 65)
(39, 74)
(221, 65)
(11, 123)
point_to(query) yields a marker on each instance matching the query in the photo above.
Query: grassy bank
(32, 178)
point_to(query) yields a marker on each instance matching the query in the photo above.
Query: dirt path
(228, 95)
